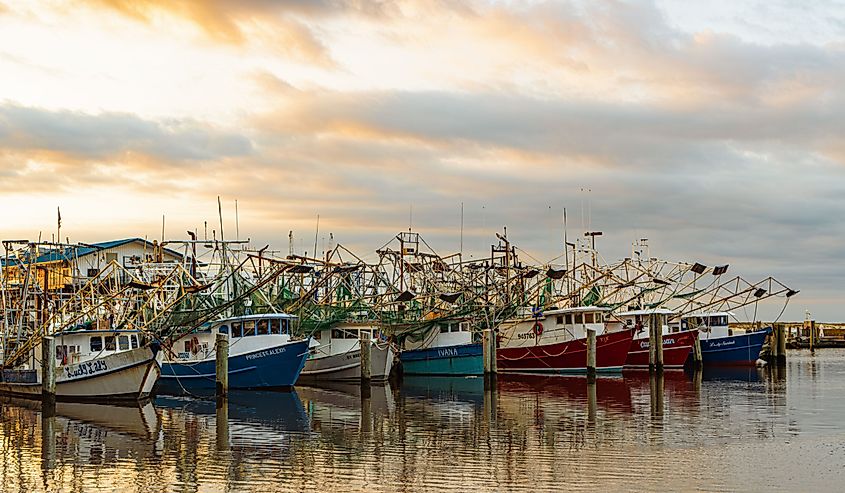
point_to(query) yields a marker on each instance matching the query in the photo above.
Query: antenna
(317, 232)
(237, 227)
(410, 217)
(462, 232)
(290, 243)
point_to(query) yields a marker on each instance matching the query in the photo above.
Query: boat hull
(273, 367)
(125, 376)
(567, 357)
(462, 359)
(676, 350)
(347, 366)
(741, 349)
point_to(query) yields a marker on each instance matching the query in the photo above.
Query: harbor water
(737, 429)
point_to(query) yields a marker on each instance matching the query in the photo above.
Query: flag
(698, 268)
(59, 211)
(718, 271)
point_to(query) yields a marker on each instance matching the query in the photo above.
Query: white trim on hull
(128, 375)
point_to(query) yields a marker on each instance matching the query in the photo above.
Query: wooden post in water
(652, 345)
(48, 375)
(485, 351)
(591, 355)
(772, 358)
(781, 344)
(221, 347)
(658, 339)
(812, 336)
(494, 367)
(696, 351)
(366, 367)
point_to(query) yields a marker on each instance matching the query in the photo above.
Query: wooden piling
(366, 347)
(591, 355)
(812, 325)
(696, 351)
(48, 374)
(658, 339)
(485, 351)
(652, 345)
(772, 357)
(221, 347)
(781, 345)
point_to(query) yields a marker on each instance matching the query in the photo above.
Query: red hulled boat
(676, 349)
(539, 350)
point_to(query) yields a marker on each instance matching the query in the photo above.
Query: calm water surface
(730, 430)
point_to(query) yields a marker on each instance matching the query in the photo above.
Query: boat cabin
(710, 325)
(556, 325)
(342, 338)
(246, 333)
(85, 345)
(638, 319)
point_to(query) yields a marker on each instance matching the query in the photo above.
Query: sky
(713, 129)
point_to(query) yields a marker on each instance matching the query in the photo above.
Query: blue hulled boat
(719, 346)
(447, 350)
(262, 355)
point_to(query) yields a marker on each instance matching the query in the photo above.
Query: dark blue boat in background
(719, 346)
(261, 356)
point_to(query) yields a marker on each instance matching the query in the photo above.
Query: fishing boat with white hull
(337, 357)
(262, 355)
(91, 365)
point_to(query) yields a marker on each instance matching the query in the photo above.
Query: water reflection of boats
(612, 393)
(251, 412)
(441, 388)
(90, 430)
(339, 403)
(738, 373)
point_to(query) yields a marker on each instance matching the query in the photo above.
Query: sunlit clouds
(713, 132)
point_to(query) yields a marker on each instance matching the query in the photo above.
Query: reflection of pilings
(48, 442)
(48, 375)
(366, 409)
(697, 378)
(222, 423)
(490, 400)
(592, 402)
(656, 390)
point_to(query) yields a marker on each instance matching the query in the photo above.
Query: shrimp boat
(448, 348)
(556, 342)
(719, 345)
(91, 365)
(262, 355)
(337, 357)
(677, 344)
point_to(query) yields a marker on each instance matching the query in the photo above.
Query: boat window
(72, 349)
(123, 343)
(223, 329)
(317, 335)
(188, 346)
(629, 322)
(110, 345)
(444, 328)
(275, 326)
(569, 318)
(456, 327)
(588, 318)
(236, 329)
(61, 352)
(599, 317)
(263, 327)
(684, 324)
(579, 319)
(96, 344)
(285, 326)
(249, 328)
(337, 334)
(134, 341)
(560, 319)
(351, 335)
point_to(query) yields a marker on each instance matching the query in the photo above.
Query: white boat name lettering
(666, 342)
(85, 369)
(447, 352)
(723, 343)
(264, 354)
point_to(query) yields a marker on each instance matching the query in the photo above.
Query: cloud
(107, 135)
